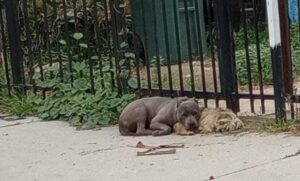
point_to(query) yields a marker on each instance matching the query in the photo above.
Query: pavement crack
(10, 125)
(95, 151)
(16, 124)
(255, 166)
(209, 144)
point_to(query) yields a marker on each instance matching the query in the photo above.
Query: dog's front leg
(160, 129)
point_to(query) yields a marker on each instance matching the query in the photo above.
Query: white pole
(275, 44)
(273, 23)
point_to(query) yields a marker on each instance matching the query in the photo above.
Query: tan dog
(213, 120)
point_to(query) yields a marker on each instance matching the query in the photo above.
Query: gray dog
(157, 115)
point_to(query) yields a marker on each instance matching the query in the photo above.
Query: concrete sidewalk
(48, 151)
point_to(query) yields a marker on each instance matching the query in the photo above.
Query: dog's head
(188, 113)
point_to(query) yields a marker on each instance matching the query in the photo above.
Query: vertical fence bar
(187, 21)
(136, 53)
(46, 30)
(286, 51)
(88, 46)
(258, 54)
(28, 44)
(57, 44)
(16, 54)
(212, 48)
(146, 47)
(4, 44)
(225, 32)
(75, 14)
(176, 23)
(98, 41)
(246, 44)
(76, 48)
(158, 61)
(166, 33)
(108, 39)
(36, 25)
(67, 36)
(275, 44)
(200, 46)
(116, 17)
(137, 58)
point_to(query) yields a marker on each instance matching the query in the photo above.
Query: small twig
(156, 152)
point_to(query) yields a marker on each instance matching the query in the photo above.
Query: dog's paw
(189, 133)
(156, 133)
(238, 123)
(159, 133)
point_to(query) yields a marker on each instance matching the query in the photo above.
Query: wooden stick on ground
(156, 152)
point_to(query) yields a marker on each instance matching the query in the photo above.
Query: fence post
(275, 44)
(14, 42)
(227, 57)
(286, 51)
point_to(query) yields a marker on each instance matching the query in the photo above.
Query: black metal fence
(217, 51)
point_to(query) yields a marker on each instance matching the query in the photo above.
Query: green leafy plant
(72, 102)
(81, 108)
(265, 55)
(19, 105)
(125, 64)
(273, 126)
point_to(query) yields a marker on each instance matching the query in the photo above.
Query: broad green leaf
(95, 57)
(83, 45)
(106, 68)
(81, 84)
(123, 45)
(124, 73)
(128, 97)
(77, 36)
(63, 42)
(122, 62)
(36, 76)
(129, 55)
(133, 83)
(115, 102)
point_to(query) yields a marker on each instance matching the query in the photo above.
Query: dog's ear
(181, 100)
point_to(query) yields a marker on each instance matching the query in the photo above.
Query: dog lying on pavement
(157, 115)
(212, 120)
